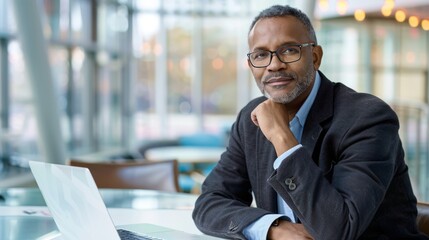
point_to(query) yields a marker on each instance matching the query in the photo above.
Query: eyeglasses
(286, 54)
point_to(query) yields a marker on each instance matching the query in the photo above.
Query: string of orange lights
(387, 10)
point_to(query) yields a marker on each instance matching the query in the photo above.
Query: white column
(161, 81)
(34, 48)
(89, 108)
(197, 59)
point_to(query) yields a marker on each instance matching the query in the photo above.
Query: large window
(220, 64)
(147, 49)
(22, 132)
(126, 71)
(187, 68)
(109, 91)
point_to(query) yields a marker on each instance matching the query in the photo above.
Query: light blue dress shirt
(259, 229)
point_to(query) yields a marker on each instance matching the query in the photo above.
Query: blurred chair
(161, 176)
(423, 217)
(156, 144)
(186, 183)
(199, 171)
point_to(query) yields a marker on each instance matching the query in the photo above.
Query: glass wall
(186, 73)
(129, 71)
(21, 131)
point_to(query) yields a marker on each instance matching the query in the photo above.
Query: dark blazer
(350, 178)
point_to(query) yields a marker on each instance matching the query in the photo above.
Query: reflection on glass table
(113, 198)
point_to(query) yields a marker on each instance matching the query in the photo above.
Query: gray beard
(298, 90)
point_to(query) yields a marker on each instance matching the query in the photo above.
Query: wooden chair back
(162, 175)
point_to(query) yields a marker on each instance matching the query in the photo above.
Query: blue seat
(186, 183)
(200, 139)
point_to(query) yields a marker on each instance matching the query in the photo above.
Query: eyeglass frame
(275, 52)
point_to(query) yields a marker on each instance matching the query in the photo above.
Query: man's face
(284, 82)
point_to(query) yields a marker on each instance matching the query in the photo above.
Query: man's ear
(317, 56)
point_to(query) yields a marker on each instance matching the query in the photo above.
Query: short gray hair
(283, 11)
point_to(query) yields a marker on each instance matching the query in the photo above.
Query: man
(320, 160)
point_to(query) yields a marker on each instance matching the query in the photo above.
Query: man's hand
(273, 120)
(288, 231)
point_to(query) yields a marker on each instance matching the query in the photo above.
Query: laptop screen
(74, 201)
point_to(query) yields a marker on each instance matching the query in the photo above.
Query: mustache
(278, 75)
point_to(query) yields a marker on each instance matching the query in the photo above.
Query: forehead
(272, 32)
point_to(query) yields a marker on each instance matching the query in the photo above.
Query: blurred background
(82, 77)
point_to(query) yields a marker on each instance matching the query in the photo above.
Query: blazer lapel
(320, 112)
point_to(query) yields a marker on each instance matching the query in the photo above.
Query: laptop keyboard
(128, 235)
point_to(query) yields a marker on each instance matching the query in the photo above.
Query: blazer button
(291, 185)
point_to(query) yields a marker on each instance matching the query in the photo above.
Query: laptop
(79, 212)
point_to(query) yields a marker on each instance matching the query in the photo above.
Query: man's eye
(289, 50)
(260, 55)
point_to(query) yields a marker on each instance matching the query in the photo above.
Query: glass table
(113, 198)
(17, 221)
